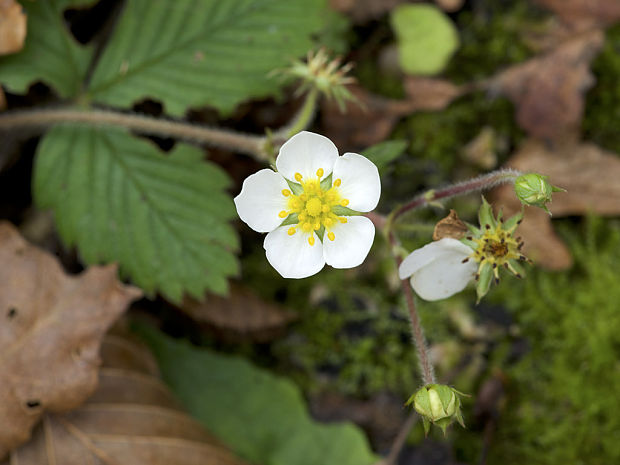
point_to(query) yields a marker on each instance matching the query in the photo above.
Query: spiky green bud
(535, 190)
(438, 404)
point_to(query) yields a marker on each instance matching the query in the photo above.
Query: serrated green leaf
(426, 38)
(50, 53)
(190, 53)
(260, 416)
(164, 218)
(383, 153)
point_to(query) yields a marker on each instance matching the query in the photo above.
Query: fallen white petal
(292, 256)
(305, 153)
(361, 184)
(351, 243)
(261, 199)
(437, 270)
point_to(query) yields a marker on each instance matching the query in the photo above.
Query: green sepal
(295, 188)
(291, 219)
(471, 244)
(320, 232)
(474, 230)
(427, 426)
(485, 215)
(444, 423)
(511, 223)
(516, 268)
(327, 182)
(484, 280)
(339, 210)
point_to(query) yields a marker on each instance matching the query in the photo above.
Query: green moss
(602, 112)
(563, 404)
(491, 38)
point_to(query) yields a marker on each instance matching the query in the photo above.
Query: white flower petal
(305, 153)
(261, 199)
(351, 244)
(432, 251)
(360, 181)
(437, 270)
(292, 256)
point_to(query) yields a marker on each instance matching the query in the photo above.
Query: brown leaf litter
(242, 315)
(590, 176)
(131, 419)
(373, 117)
(51, 334)
(548, 90)
(12, 27)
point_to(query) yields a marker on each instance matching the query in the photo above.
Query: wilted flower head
(311, 206)
(442, 268)
(438, 404)
(325, 75)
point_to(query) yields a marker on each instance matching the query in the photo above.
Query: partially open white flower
(438, 269)
(308, 206)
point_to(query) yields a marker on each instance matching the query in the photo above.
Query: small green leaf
(191, 53)
(164, 218)
(260, 416)
(383, 153)
(426, 38)
(50, 53)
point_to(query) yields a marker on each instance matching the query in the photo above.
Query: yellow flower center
(314, 206)
(497, 247)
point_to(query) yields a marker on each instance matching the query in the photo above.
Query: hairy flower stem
(247, 144)
(479, 184)
(428, 372)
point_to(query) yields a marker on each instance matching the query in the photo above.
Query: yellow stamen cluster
(314, 206)
(497, 247)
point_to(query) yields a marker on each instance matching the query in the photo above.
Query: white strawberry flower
(439, 269)
(310, 206)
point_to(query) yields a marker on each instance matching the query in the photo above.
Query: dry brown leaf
(590, 176)
(242, 315)
(450, 5)
(450, 226)
(50, 337)
(372, 121)
(582, 14)
(362, 11)
(480, 151)
(12, 27)
(548, 91)
(131, 419)
(2, 100)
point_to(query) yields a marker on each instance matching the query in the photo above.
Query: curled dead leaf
(12, 27)
(373, 121)
(241, 315)
(548, 91)
(590, 176)
(51, 334)
(450, 5)
(450, 226)
(131, 419)
(583, 14)
(362, 11)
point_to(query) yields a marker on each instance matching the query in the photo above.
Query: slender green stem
(247, 144)
(304, 116)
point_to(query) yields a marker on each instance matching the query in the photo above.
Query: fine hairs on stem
(244, 143)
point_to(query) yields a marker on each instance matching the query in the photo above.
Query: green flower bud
(534, 189)
(438, 404)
